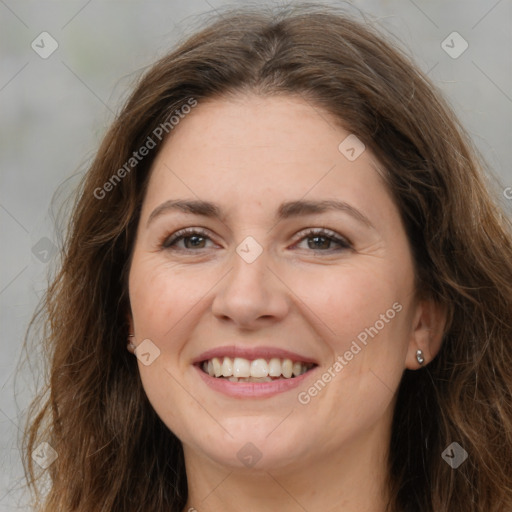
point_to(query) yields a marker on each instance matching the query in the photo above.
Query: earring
(131, 347)
(419, 356)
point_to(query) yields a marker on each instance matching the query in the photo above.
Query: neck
(351, 479)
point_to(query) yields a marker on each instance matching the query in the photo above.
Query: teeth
(241, 367)
(227, 367)
(258, 370)
(274, 367)
(259, 379)
(250, 379)
(217, 368)
(286, 368)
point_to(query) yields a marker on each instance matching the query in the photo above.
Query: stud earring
(419, 356)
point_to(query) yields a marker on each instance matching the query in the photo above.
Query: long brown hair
(114, 453)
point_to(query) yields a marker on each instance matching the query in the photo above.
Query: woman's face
(271, 272)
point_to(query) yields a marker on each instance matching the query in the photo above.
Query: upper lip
(252, 353)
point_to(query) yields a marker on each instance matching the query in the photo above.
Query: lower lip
(252, 389)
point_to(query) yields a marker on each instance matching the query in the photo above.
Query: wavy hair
(114, 452)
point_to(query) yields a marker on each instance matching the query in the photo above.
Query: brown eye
(319, 242)
(323, 240)
(191, 238)
(194, 241)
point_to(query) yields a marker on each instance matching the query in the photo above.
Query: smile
(239, 369)
(253, 372)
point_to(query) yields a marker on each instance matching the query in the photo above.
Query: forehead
(262, 149)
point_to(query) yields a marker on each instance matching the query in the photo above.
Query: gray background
(54, 112)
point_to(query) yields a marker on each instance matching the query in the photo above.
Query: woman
(285, 287)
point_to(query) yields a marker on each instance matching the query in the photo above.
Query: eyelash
(168, 242)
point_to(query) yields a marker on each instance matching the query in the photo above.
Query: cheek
(347, 299)
(365, 327)
(161, 297)
(162, 294)
(364, 320)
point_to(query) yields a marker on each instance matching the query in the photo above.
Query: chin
(255, 444)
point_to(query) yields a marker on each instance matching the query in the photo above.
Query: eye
(318, 239)
(321, 239)
(192, 238)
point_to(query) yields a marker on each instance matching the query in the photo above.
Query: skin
(248, 154)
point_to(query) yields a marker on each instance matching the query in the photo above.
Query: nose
(251, 295)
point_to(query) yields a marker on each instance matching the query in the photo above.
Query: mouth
(239, 369)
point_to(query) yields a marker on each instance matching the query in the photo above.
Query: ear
(427, 331)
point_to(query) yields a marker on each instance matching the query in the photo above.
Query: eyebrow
(285, 211)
